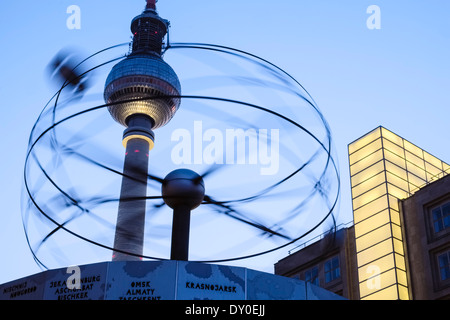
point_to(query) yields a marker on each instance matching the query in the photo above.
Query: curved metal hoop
(226, 205)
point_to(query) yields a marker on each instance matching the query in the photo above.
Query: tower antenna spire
(151, 4)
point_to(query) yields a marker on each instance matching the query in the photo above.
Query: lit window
(332, 269)
(441, 217)
(444, 265)
(312, 276)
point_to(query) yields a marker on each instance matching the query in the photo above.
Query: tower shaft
(129, 237)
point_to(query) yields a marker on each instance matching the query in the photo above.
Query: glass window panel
(396, 181)
(441, 217)
(398, 246)
(401, 277)
(418, 172)
(415, 181)
(444, 265)
(396, 231)
(403, 293)
(312, 275)
(438, 225)
(396, 170)
(397, 192)
(432, 170)
(335, 262)
(358, 144)
(413, 188)
(400, 261)
(432, 178)
(413, 149)
(388, 278)
(395, 216)
(415, 160)
(437, 213)
(366, 162)
(370, 209)
(443, 260)
(374, 237)
(446, 214)
(365, 151)
(391, 136)
(385, 294)
(446, 167)
(437, 219)
(371, 246)
(369, 196)
(371, 223)
(393, 203)
(327, 266)
(368, 184)
(376, 267)
(394, 148)
(331, 269)
(371, 285)
(367, 173)
(419, 175)
(399, 161)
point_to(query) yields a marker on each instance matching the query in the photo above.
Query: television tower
(142, 92)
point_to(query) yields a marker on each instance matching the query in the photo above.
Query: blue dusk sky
(396, 76)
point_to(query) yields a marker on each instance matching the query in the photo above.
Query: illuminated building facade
(399, 245)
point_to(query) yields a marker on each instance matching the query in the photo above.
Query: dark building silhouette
(329, 263)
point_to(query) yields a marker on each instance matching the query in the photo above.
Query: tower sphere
(144, 75)
(183, 187)
(141, 76)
